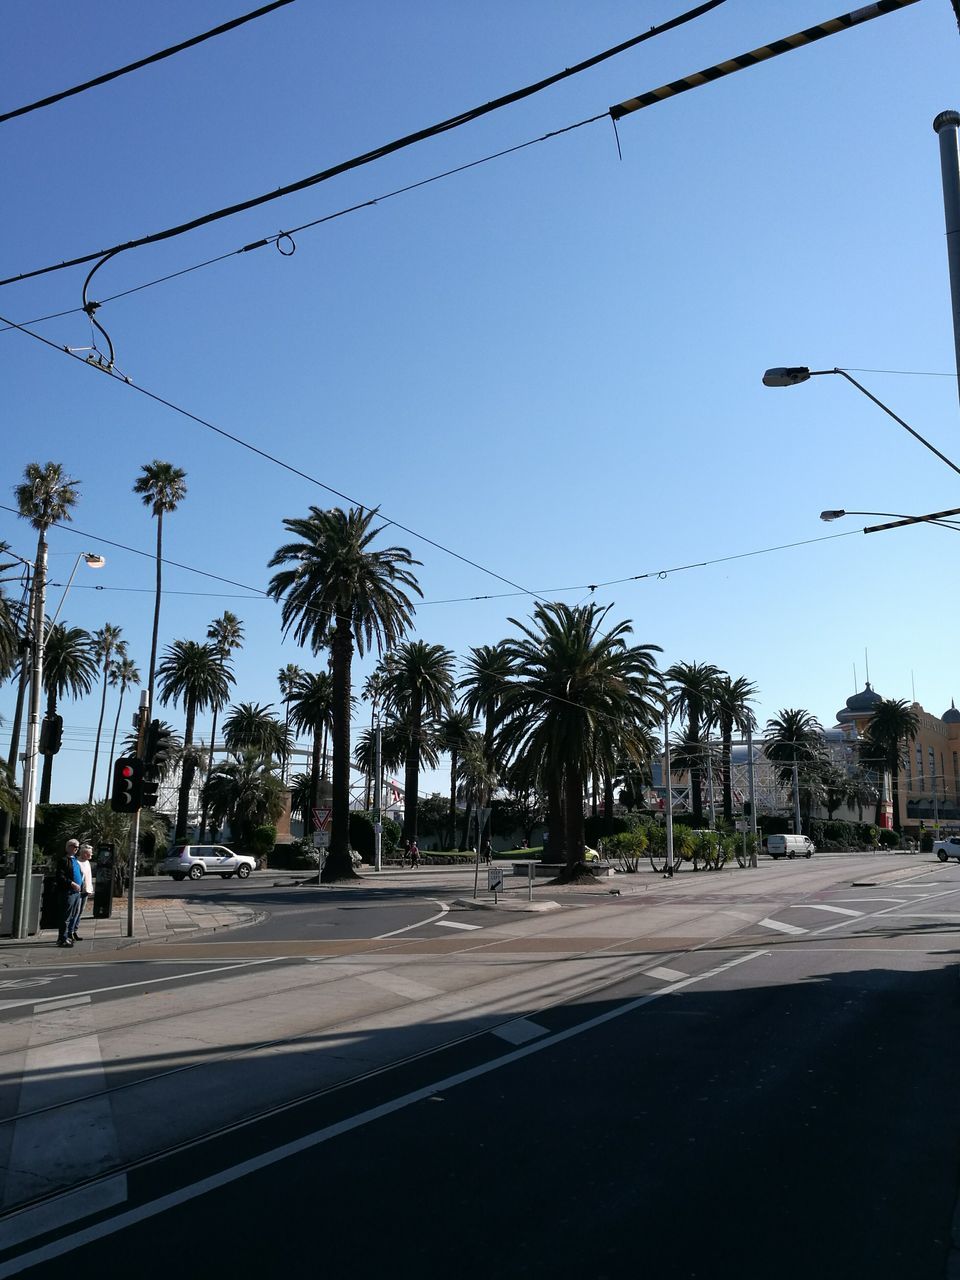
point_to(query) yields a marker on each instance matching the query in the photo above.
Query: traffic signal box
(127, 793)
(51, 734)
(156, 750)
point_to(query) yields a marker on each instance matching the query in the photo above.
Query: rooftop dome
(861, 704)
(952, 716)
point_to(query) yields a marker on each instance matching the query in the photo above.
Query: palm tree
(488, 669)
(44, 498)
(311, 711)
(732, 703)
(287, 678)
(580, 698)
(891, 726)
(225, 634)
(372, 692)
(192, 674)
(106, 644)
(339, 581)
(169, 749)
(251, 727)
(456, 730)
(123, 674)
(419, 688)
(162, 486)
(794, 739)
(861, 790)
(693, 693)
(246, 792)
(70, 667)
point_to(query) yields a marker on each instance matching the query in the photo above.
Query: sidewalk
(154, 919)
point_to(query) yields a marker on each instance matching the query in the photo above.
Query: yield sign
(321, 819)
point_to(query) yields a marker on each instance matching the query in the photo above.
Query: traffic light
(127, 785)
(156, 749)
(149, 792)
(51, 734)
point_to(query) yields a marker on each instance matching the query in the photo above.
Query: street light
(940, 518)
(790, 375)
(93, 561)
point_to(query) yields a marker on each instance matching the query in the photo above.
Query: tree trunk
(338, 865)
(411, 772)
(18, 713)
(47, 777)
(556, 825)
(573, 814)
(96, 745)
(156, 614)
(726, 732)
(696, 772)
(204, 805)
(895, 784)
(453, 796)
(187, 768)
(465, 830)
(608, 805)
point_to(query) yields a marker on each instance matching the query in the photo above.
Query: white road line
(822, 906)
(419, 925)
(74, 1140)
(926, 915)
(781, 927)
(667, 975)
(873, 899)
(876, 915)
(186, 1195)
(66, 1209)
(388, 980)
(520, 1031)
(146, 982)
(458, 924)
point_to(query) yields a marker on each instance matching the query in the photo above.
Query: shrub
(362, 834)
(262, 840)
(926, 842)
(627, 847)
(597, 827)
(889, 839)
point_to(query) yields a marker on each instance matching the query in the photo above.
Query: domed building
(860, 707)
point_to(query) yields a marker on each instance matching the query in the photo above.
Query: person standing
(70, 884)
(84, 854)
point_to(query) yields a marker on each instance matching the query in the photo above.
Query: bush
(889, 839)
(599, 828)
(298, 856)
(926, 842)
(362, 834)
(627, 848)
(262, 840)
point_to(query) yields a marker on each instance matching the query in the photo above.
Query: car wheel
(808, 854)
(243, 871)
(790, 856)
(196, 871)
(943, 857)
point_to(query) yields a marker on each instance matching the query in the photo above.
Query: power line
(142, 62)
(385, 149)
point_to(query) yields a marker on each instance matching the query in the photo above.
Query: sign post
(495, 881)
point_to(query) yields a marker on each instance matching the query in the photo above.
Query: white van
(790, 846)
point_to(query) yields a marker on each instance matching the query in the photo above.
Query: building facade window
(919, 753)
(909, 771)
(956, 778)
(931, 754)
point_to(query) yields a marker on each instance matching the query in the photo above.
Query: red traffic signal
(126, 796)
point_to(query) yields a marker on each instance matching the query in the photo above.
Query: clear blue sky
(550, 363)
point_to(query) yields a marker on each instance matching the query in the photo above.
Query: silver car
(198, 860)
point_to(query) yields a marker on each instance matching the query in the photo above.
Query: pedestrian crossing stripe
(773, 50)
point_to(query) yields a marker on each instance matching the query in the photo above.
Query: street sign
(742, 826)
(321, 839)
(494, 879)
(321, 819)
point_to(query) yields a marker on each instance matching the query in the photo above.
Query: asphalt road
(782, 1103)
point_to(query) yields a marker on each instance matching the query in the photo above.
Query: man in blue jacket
(70, 884)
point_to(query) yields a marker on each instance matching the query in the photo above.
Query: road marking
(520, 1031)
(458, 924)
(780, 926)
(822, 906)
(420, 923)
(185, 1195)
(874, 899)
(74, 1139)
(146, 982)
(668, 975)
(65, 1210)
(399, 985)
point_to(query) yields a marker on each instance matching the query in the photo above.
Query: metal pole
(711, 804)
(73, 572)
(666, 770)
(135, 832)
(28, 800)
(753, 799)
(796, 799)
(945, 126)
(377, 816)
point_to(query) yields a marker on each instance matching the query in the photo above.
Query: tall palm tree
(106, 645)
(418, 688)
(251, 727)
(338, 580)
(162, 486)
(581, 697)
(225, 634)
(891, 726)
(478, 774)
(487, 671)
(45, 498)
(311, 711)
(732, 704)
(123, 674)
(194, 675)
(287, 678)
(245, 791)
(70, 667)
(794, 740)
(693, 692)
(456, 730)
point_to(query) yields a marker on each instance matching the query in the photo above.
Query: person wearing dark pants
(84, 855)
(70, 884)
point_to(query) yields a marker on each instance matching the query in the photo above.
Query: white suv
(949, 848)
(198, 860)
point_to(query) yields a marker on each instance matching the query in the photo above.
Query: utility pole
(143, 719)
(796, 797)
(946, 126)
(28, 799)
(377, 800)
(753, 799)
(667, 779)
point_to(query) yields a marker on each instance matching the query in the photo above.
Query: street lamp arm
(935, 517)
(879, 403)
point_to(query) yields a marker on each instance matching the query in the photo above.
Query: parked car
(198, 860)
(949, 848)
(789, 846)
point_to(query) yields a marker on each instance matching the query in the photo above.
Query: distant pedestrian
(69, 879)
(414, 855)
(487, 851)
(84, 854)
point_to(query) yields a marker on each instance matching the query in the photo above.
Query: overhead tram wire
(143, 62)
(385, 149)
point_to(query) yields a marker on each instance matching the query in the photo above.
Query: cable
(385, 149)
(143, 62)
